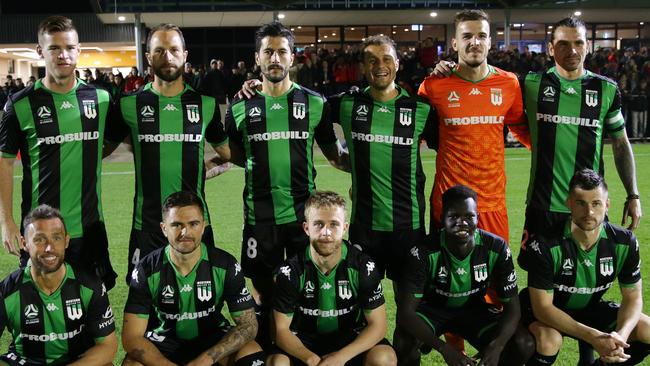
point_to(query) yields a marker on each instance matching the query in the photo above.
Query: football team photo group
(370, 268)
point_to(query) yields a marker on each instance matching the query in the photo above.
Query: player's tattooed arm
(625, 166)
(243, 332)
(137, 347)
(338, 156)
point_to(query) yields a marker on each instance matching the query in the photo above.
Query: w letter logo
(193, 113)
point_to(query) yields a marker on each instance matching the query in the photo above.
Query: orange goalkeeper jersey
(471, 147)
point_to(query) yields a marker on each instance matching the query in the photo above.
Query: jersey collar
(27, 277)
(567, 234)
(344, 255)
(401, 92)
(291, 88)
(39, 85)
(204, 256)
(491, 71)
(149, 86)
(477, 242)
(553, 70)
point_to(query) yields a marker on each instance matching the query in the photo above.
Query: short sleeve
(371, 295)
(335, 107)
(214, 132)
(100, 321)
(614, 122)
(116, 127)
(11, 136)
(630, 272)
(504, 276)
(235, 293)
(140, 298)
(540, 265)
(233, 133)
(431, 132)
(415, 278)
(324, 131)
(515, 114)
(287, 294)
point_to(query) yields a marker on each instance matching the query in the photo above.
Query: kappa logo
(383, 109)
(168, 292)
(276, 107)
(73, 309)
(370, 266)
(475, 91)
(204, 290)
(255, 112)
(570, 90)
(606, 266)
(405, 116)
(415, 252)
(508, 253)
(286, 270)
(461, 271)
(90, 109)
(66, 105)
(192, 112)
(344, 290)
(299, 110)
(453, 97)
(237, 268)
(170, 107)
(186, 288)
(31, 311)
(591, 98)
(587, 263)
(309, 290)
(103, 290)
(134, 275)
(257, 363)
(496, 96)
(480, 272)
(535, 246)
(326, 286)
(51, 307)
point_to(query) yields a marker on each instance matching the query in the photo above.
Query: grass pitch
(225, 204)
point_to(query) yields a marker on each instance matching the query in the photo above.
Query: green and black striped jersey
(440, 279)
(567, 120)
(580, 278)
(277, 135)
(168, 136)
(327, 304)
(384, 144)
(187, 307)
(60, 138)
(54, 329)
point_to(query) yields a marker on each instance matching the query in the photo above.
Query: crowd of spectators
(333, 71)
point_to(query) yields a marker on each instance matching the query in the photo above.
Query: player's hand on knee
(332, 359)
(616, 356)
(489, 356)
(248, 89)
(606, 343)
(443, 69)
(454, 357)
(11, 238)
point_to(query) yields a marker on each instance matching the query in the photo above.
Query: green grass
(224, 200)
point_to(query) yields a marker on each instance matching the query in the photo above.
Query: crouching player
(183, 285)
(444, 287)
(568, 275)
(329, 305)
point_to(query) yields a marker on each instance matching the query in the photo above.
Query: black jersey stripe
(401, 164)
(362, 110)
(31, 325)
(568, 273)
(89, 114)
(587, 139)
(546, 104)
(168, 297)
(261, 176)
(298, 151)
(191, 107)
(202, 303)
(26, 188)
(49, 171)
(150, 153)
(303, 323)
(70, 293)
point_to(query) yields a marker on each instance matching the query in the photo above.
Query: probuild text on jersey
(69, 137)
(568, 120)
(388, 139)
(170, 137)
(474, 120)
(279, 135)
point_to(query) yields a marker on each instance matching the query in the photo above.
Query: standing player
(272, 136)
(184, 285)
(473, 105)
(58, 125)
(56, 315)
(444, 291)
(329, 305)
(383, 126)
(569, 274)
(569, 110)
(169, 123)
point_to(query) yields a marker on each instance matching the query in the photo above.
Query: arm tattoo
(236, 337)
(624, 161)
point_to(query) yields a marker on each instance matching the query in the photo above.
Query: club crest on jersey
(496, 96)
(405, 116)
(90, 109)
(606, 266)
(192, 111)
(204, 290)
(299, 110)
(73, 309)
(147, 112)
(345, 293)
(480, 272)
(591, 98)
(45, 114)
(309, 290)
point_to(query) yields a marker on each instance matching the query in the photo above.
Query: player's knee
(130, 362)
(548, 341)
(381, 355)
(278, 360)
(524, 343)
(252, 358)
(641, 332)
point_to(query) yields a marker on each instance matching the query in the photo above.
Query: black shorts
(325, 344)
(389, 249)
(537, 221)
(88, 253)
(142, 243)
(184, 351)
(264, 247)
(476, 324)
(601, 315)
(12, 359)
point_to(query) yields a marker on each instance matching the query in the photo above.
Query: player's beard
(275, 78)
(326, 249)
(168, 76)
(45, 268)
(473, 63)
